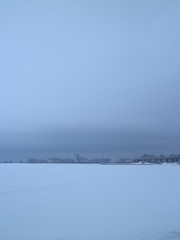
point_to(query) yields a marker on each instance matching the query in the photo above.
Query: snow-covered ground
(89, 202)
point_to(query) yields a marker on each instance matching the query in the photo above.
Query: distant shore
(146, 159)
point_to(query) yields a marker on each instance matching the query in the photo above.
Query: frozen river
(89, 202)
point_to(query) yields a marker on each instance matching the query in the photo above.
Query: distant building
(33, 160)
(104, 160)
(77, 157)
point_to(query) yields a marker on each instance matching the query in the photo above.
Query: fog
(112, 144)
(95, 77)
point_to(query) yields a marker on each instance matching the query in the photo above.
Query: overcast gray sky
(89, 76)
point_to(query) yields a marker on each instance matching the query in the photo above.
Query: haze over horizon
(94, 77)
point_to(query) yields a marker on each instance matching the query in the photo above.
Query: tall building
(77, 157)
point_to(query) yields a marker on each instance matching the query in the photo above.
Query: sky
(94, 77)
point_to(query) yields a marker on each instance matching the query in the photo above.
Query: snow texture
(89, 202)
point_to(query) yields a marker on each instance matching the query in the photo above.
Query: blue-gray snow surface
(89, 202)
